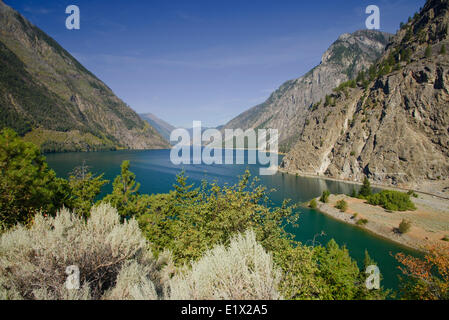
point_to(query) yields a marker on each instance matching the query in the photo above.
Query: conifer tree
(366, 191)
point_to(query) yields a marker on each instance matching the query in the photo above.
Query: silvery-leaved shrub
(112, 257)
(242, 271)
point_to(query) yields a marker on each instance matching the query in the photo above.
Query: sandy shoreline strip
(430, 222)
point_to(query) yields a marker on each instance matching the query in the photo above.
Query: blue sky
(186, 60)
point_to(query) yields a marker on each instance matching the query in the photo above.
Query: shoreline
(429, 222)
(440, 195)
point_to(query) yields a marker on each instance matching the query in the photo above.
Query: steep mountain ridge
(394, 126)
(287, 107)
(47, 96)
(161, 126)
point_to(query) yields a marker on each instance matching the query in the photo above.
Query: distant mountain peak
(286, 108)
(161, 126)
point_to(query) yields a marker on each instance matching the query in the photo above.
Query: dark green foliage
(325, 196)
(313, 204)
(27, 185)
(412, 193)
(84, 188)
(443, 49)
(341, 275)
(189, 220)
(392, 200)
(125, 195)
(365, 191)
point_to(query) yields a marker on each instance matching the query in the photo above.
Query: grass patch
(362, 222)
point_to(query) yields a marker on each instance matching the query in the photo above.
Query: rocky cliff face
(394, 127)
(53, 101)
(287, 108)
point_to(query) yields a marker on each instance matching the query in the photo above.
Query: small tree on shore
(366, 191)
(405, 226)
(325, 196)
(342, 205)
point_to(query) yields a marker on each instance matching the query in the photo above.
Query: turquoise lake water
(157, 174)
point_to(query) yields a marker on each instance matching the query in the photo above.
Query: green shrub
(343, 279)
(313, 204)
(188, 220)
(443, 49)
(342, 205)
(362, 222)
(392, 200)
(405, 226)
(27, 185)
(325, 196)
(445, 238)
(84, 189)
(354, 216)
(412, 193)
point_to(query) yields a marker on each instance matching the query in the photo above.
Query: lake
(157, 174)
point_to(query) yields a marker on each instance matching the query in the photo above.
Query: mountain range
(393, 124)
(161, 126)
(287, 107)
(50, 99)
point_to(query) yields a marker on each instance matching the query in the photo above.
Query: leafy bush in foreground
(392, 200)
(190, 221)
(243, 271)
(427, 278)
(33, 261)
